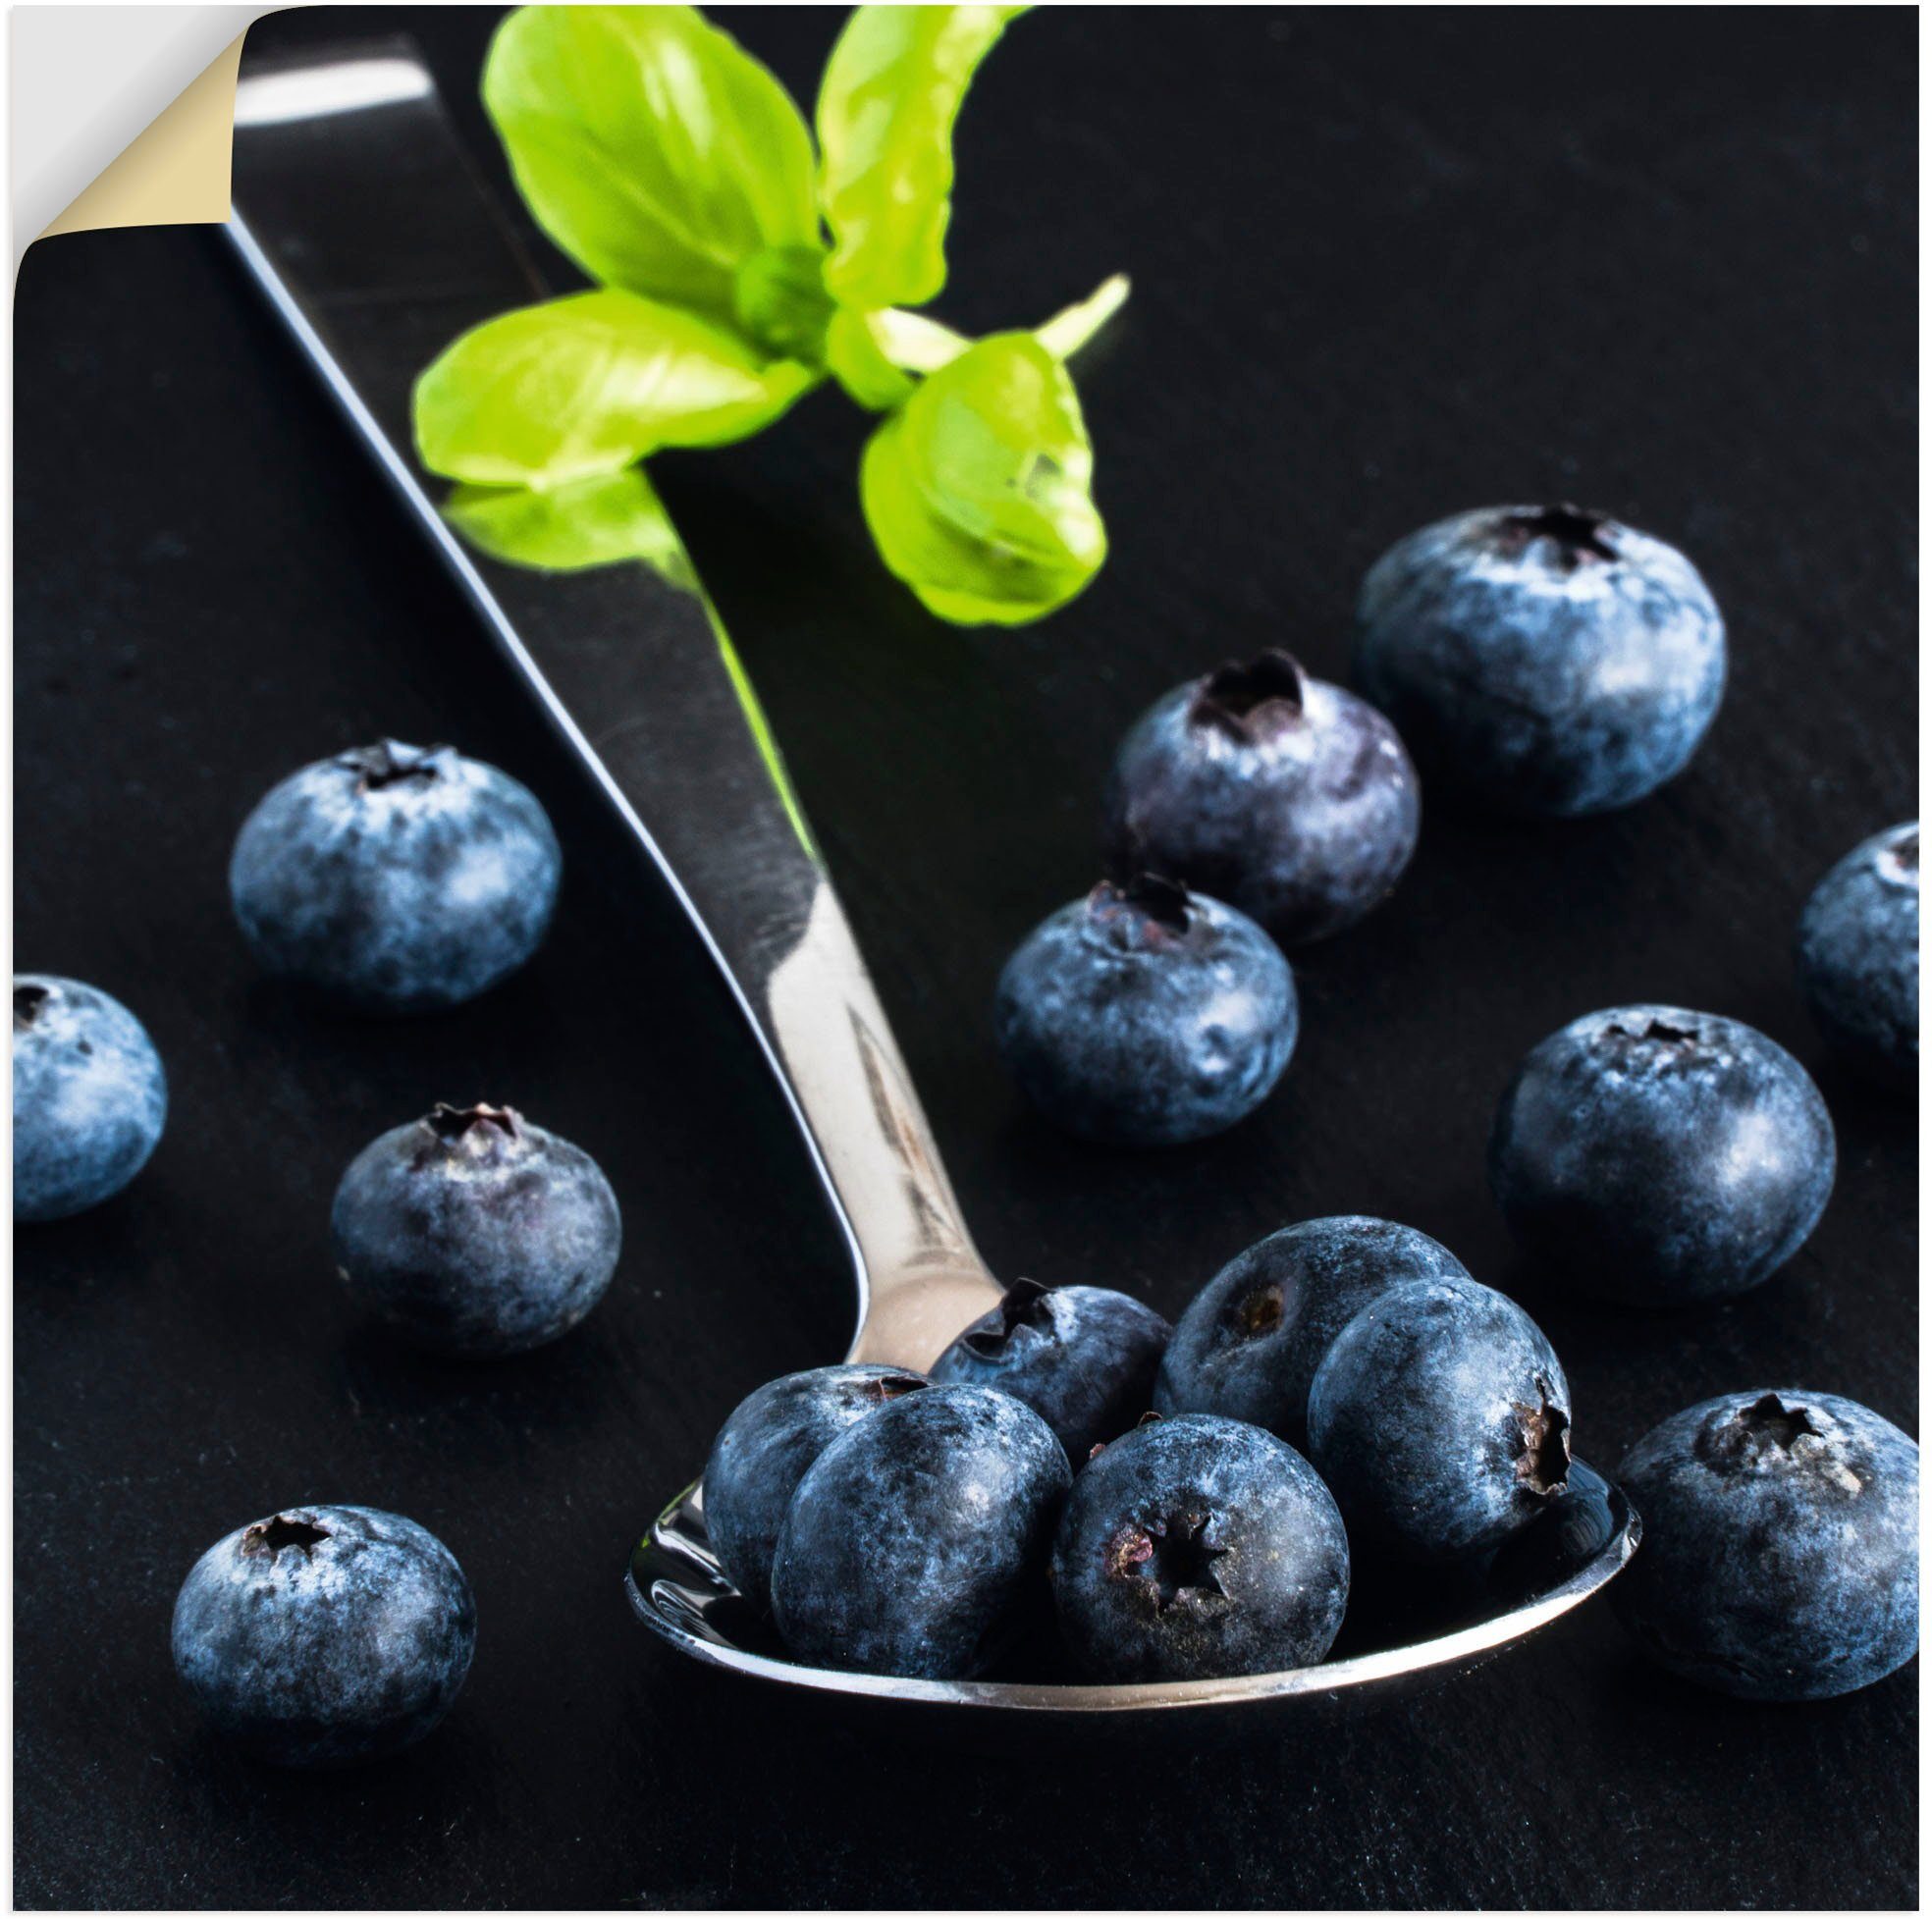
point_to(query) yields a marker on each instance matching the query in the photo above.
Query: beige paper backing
(177, 173)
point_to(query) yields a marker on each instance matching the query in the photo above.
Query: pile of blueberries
(1190, 1497)
(1344, 1396)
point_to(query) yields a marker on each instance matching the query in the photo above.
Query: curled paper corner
(121, 116)
(176, 171)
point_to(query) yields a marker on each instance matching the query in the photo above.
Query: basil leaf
(977, 488)
(593, 522)
(650, 148)
(891, 94)
(588, 384)
(858, 361)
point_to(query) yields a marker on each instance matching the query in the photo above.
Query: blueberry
(1144, 1015)
(1198, 1548)
(325, 1634)
(764, 1449)
(1658, 1157)
(1780, 1554)
(913, 1540)
(1441, 1419)
(474, 1232)
(1248, 1346)
(1541, 660)
(1083, 1356)
(89, 1097)
(397, 878)
(1287, 797)
(1857, 954)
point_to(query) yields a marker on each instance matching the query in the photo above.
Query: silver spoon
(358, 218)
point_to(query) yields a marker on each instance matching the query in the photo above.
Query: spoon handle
(359, 218)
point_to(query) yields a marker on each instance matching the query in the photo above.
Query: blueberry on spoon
(1440, 1419)
(1198, 1548)
(913, 1541)
(1084, 1357)
(766, 1448)
(1248, 1346)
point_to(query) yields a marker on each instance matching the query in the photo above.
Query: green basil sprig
(737, 269)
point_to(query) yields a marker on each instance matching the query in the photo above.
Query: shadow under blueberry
(443, 1782)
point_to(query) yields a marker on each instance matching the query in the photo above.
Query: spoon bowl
(678, 1589)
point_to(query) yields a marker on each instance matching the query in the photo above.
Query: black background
(1388, 265)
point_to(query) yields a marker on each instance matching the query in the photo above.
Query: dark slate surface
(1388, 265)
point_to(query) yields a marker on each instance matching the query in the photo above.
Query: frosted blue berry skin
(1857, 954)
(91, 1097)
(1541, 660)
(1148, 1016)
(1284, 796)
(1199, 1548)
(1780, 1554)
(1084, 1357)
(1441, 1419)
(476, 1233)
(396, 879)
(325, 1634)
(914, 1541)
(766, 1448)
(1249, 1344)
(1659, 1158)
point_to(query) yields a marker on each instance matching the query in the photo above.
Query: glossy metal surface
(375, 244)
